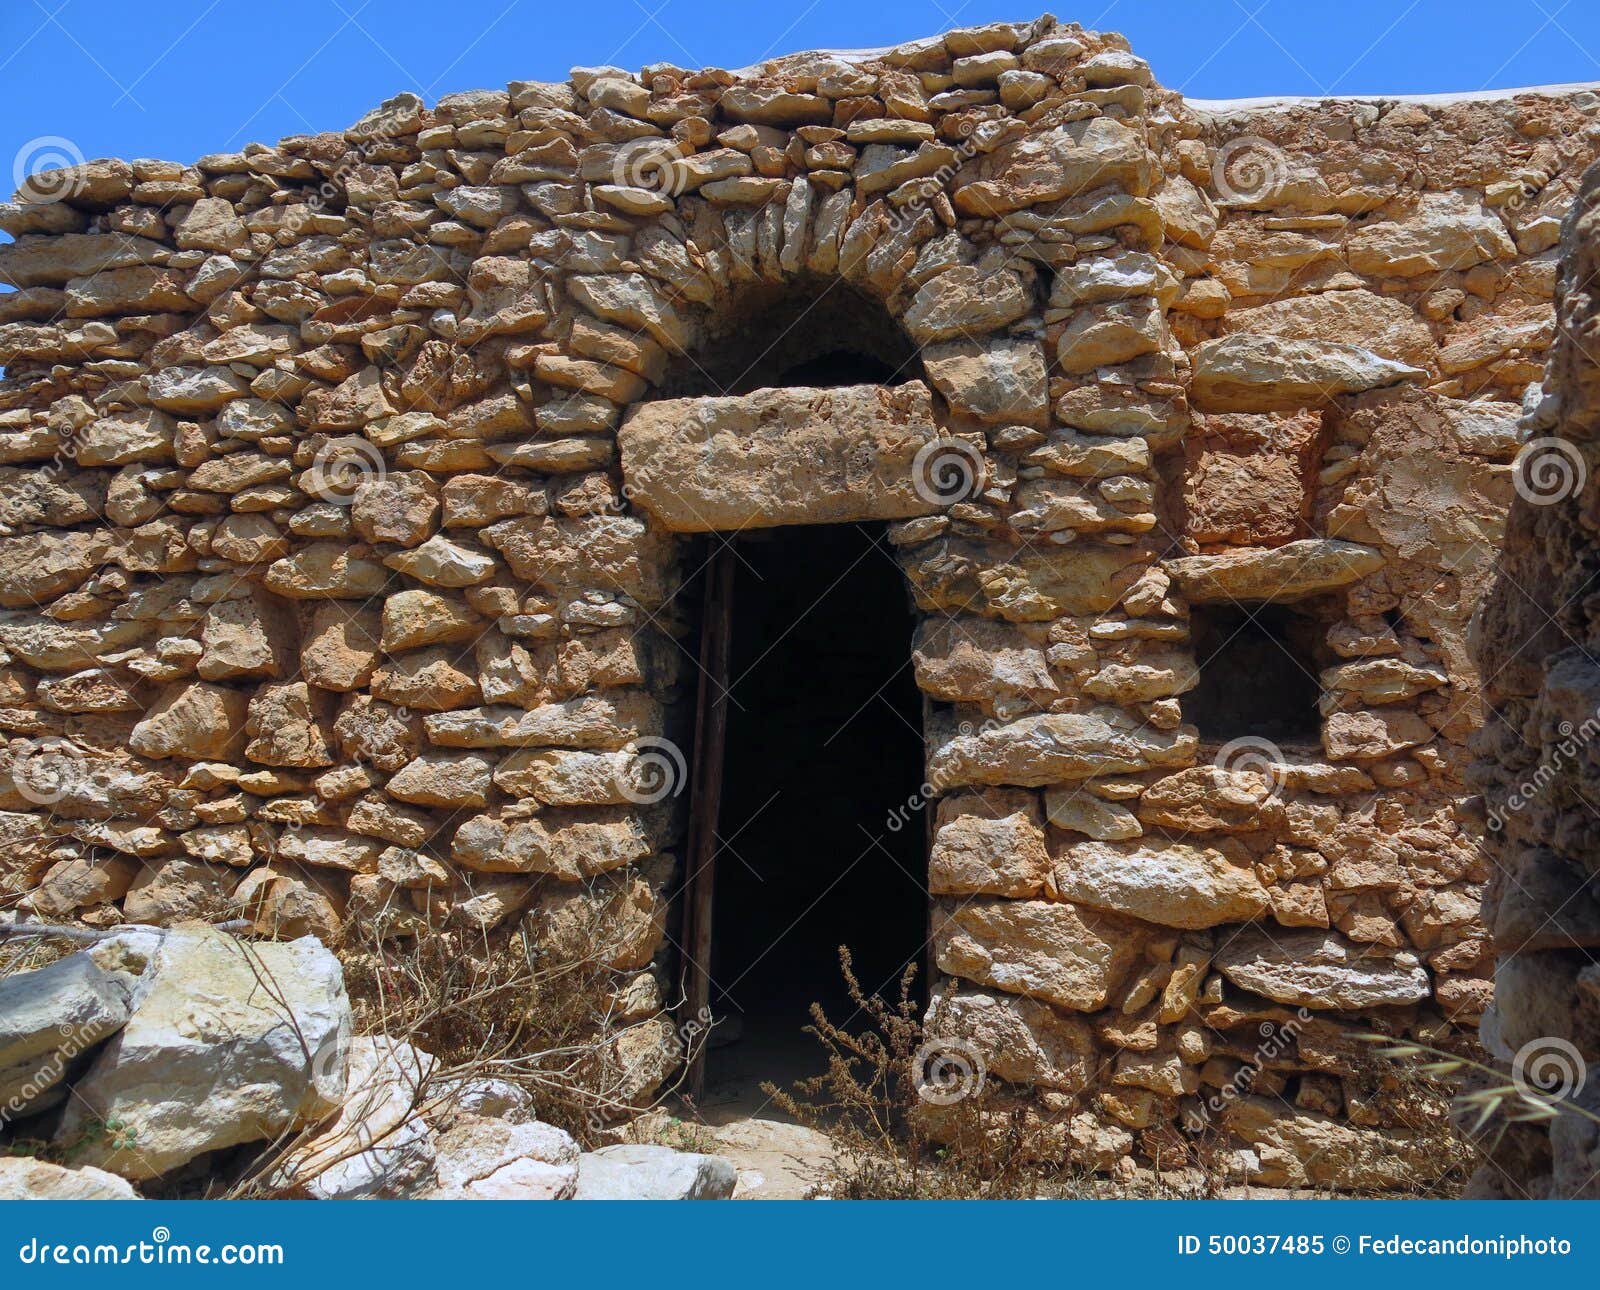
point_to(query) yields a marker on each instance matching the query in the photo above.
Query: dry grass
(894, 1143)
(526, 1008)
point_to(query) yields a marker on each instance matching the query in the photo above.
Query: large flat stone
(1245, 373)
(1284, 573)
(1388, 327)
(1319, 969)
(1303, 1149)
(1065, 955)
(229, 1043)
(1447, 232)
(1020, 1041)
(781, 456)
(1063, 162)
(23, 1178)
(479, 1158)
(378, 1147)
(645, 1171)
(1035, 751)
(588, 721)
(996, 379)
(1027, 584)
(1170, 883)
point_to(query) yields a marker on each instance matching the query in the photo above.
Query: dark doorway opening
(813, 332)
(824, 742)
(1258, 673)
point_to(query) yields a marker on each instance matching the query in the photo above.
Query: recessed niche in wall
(1258, 673)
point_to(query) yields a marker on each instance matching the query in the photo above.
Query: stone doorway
(824, 745)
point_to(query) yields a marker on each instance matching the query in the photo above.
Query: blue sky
(180, 78)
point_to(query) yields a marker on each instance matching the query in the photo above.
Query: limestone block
(1286, 573)
(210, 1059)
(1316, 969)
(790, 456)
(1041, 750)
(1245, 373)
(1170, 883)
(1059, 953)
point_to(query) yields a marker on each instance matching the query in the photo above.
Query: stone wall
(344, 536)
(1537, 763)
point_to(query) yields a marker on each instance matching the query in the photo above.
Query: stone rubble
(183, 1042)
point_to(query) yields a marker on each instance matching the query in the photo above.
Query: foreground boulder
(50, 1017)
(483, 1159)
(229, 1043)
(379, 1147)
(22, 1178)
(646, 1172)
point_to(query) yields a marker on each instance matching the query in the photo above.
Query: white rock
(51, 1016)
(23, 1178)
(482, 1159)
(646, 1172)
(379, 1146)
(229, 1043)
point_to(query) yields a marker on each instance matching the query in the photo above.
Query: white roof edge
(1229, 107)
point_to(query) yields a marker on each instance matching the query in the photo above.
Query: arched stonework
(328, 596)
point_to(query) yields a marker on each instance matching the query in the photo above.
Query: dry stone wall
(1536, 766)
(347, 485)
